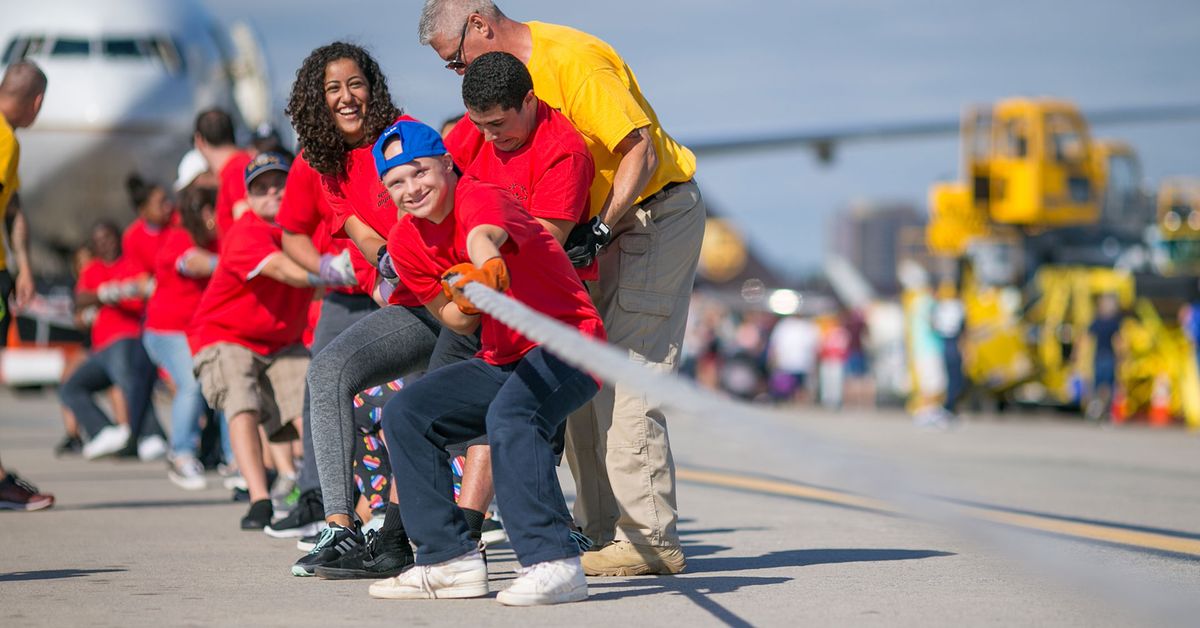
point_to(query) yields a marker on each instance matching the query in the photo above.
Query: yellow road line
(1090, 531)
(777, 487)
(1080, 530)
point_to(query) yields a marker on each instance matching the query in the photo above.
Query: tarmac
(786, 520)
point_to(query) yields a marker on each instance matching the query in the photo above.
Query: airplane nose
(128, 99)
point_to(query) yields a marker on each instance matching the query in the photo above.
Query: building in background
(875, 237)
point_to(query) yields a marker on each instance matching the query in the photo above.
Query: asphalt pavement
(802, 517)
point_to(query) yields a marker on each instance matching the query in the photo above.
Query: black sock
(474, 522)
(391, 519)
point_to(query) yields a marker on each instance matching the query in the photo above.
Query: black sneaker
(258, 516)
(306, 519)
(335, 542)
(68, 446)
(386, 554)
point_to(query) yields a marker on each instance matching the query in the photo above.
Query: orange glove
(493, 274)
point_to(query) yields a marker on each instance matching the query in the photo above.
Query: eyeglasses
(457, 62)
(264, 189)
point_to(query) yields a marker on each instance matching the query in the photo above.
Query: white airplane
(126, 80)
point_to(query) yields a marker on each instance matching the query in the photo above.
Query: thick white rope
(870, 473)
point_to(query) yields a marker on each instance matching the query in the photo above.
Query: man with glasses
(647, 223)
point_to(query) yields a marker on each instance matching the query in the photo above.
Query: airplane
(126, 80)
(824, 141)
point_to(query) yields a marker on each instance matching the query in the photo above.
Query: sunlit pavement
(776, 533)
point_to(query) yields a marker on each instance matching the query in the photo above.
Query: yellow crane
(1035, 227)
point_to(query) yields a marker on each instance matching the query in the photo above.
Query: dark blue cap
(266, 162)
(416, 140)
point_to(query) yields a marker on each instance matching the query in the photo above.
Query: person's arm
(451, 317)
(300, 248)
(281, 268)
(484, 242)
(84, 300)
(24, 290)
(558, 228)
(364, 237)
(196, 262)
(638, 163)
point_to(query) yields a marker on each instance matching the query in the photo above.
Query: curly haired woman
(339, 105)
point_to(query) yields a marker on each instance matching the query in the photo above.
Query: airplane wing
(824, 141)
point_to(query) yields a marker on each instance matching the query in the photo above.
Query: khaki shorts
(234, 380)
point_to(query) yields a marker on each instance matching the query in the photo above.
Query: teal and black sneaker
(386, 554)
(335, 542)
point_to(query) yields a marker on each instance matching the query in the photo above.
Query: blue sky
(714, 69)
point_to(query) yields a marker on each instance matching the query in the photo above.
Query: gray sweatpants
(392, 342)
(338, 313)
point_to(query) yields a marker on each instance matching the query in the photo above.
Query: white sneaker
(152, 448)
(235, 482)
(549, 582)
(107, 442)
(465, 576)
(187, 473)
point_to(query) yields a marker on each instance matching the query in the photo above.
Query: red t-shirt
(115, 321)
(241, 306)
(549, 175)
(140, 244)
(173, 304)
(541, 275)
(305, 210)
(358, 192)
(231, 189)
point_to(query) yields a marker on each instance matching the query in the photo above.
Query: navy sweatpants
(521, 407)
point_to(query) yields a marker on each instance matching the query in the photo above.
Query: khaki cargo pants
(617, 444)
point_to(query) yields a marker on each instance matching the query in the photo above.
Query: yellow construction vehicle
(1179, 225)
(1035, 229)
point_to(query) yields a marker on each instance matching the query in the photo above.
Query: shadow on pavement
(696, 589)
(156, 503)
(51, 574)
(702, 549)
(719, 531)
(803, 558)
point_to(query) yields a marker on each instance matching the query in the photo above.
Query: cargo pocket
(212, 381)
(637, 287)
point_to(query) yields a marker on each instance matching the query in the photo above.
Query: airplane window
(65, 47)
(36, 46)
(168, 53)
(15, 51)
(22, 47)
(123, 48)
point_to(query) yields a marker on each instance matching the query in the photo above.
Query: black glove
(586, 241)
(386, 269)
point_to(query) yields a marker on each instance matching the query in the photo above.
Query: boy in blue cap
(455, 230)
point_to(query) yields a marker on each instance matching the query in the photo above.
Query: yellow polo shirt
(586, 80)
(10, 154)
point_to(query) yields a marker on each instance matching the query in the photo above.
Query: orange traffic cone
(1119, 411)
(1160, 402)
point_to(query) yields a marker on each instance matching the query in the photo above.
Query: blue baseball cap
(266, 162)
(416, 140)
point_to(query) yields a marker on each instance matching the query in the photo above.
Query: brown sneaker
(622, 558)
(17, 494)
